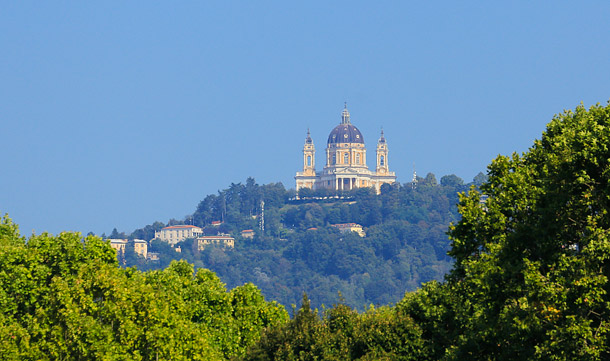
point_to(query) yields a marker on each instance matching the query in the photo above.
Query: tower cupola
(382, 155)
(309, 156)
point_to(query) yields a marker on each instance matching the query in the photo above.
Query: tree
(451, 180)
(295, 340)
(479, 179)
(532, 263)
(116, 235)
(430, 180)
(148, 232)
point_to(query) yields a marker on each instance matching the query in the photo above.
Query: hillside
(531, 274)
(530, 278)
(299, 251)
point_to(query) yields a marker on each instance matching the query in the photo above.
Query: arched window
(345, 158)
(357, 158)
(334, 159)
(309, 160)
(382, 160)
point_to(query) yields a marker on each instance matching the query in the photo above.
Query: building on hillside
(216, 223)
(345, 167)
(350, 227)
(247, 233)
(152, 256)
(119, 245)
(221, 239)
(175, 234)
(140, 247)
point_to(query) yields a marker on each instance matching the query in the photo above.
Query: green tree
(451, 180)
(64, 297)
(480, 178)
(532, 262)
(430, 180)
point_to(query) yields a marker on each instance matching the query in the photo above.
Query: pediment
(351, 171)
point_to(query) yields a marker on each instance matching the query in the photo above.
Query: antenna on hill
(414, 181)
(262, 219)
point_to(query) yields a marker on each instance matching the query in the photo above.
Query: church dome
(345, 132)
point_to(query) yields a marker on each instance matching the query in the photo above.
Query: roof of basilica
(345, 132)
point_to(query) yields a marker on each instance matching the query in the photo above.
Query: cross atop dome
(345, 115)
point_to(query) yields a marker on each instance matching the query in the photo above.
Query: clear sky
(118, 114)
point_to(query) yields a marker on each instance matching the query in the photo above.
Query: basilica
(345, 167)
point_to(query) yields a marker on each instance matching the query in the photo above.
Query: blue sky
(122, 113)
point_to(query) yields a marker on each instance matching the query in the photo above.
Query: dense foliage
(405, 245)
(532, 263)
(64, 297)
(531, 273)
(342, 334)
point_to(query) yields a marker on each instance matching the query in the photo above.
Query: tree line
(529, 280)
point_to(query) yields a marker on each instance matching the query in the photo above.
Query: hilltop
(301, 251)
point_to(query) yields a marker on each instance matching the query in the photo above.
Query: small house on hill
(221, 239)
(119, 245)
(247, 233)
(350, 227)
(140, 246)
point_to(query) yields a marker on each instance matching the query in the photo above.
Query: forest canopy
(64, 297)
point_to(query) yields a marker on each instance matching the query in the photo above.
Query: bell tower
(309, 156)
(382, 156)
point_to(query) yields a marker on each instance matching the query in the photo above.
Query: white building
(221, 239)
(175, 234)
(140, 246)
(118, 244)
(345, 167)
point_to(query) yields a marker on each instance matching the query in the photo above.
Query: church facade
(345, 167)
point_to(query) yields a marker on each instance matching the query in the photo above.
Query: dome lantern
(345, 132)
(345, 115)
